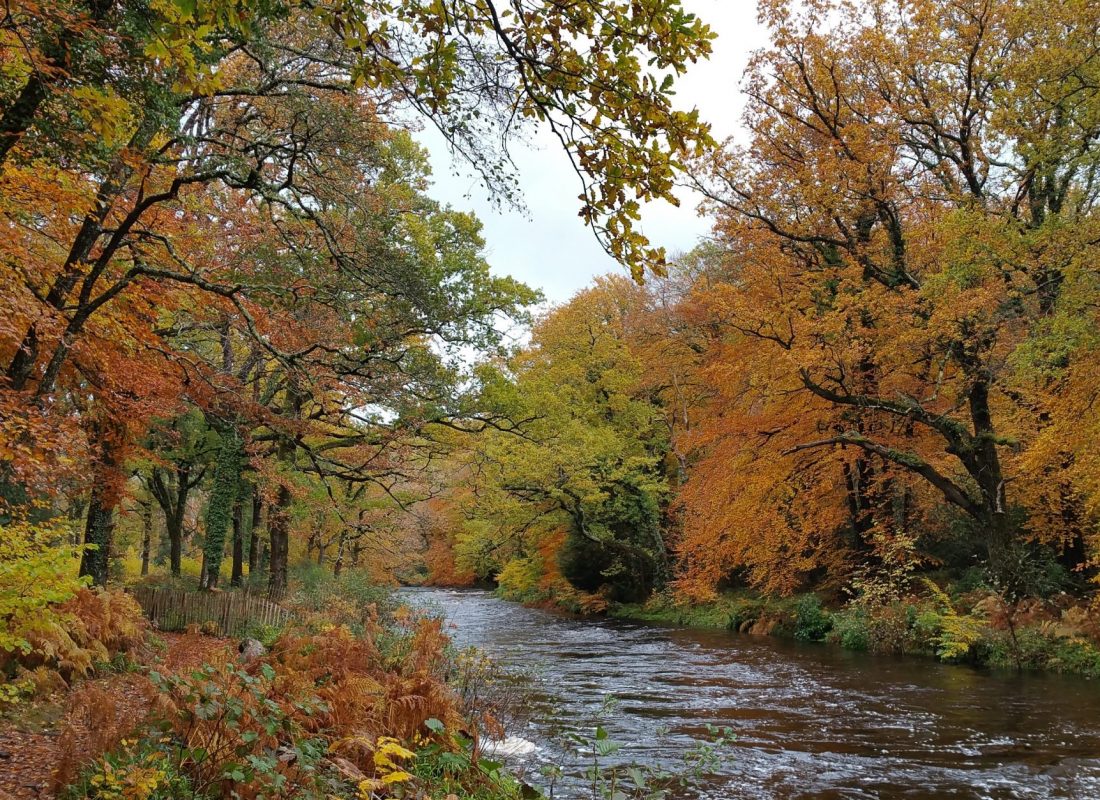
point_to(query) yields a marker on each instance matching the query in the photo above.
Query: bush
(889, 627)
(38, 572)
(850, 629)
(351, 599)
(519, 580)
(140, 769)
(1077, 656)
(812, 622)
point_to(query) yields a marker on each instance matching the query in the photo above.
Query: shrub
(351, 599)
(519, 580)
(139, 769)
(812, 622)
(957, 633)
(889, 627)
(37, 573)
(850, 629)
(1078, 656)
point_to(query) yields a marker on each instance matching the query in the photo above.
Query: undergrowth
(967, 624)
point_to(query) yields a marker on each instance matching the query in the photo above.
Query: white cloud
(549, 247)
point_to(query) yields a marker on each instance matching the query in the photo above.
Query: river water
(811, 721)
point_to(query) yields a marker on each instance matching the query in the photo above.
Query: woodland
(244, 351)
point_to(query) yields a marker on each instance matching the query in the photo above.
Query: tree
(582, 455)
(907, 218)
(181, 451)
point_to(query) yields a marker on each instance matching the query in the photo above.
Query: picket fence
(233, 613)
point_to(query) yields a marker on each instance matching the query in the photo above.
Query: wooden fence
(234, 613)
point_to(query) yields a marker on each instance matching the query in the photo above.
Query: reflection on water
(811, 721)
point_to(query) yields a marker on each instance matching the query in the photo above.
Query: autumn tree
(577, 478)
(912, 215)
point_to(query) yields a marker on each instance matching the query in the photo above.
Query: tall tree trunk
(146, 535)
(174, 526)
(105, 435)
(99, 532)
(278, 517)
(237, 575)
(254, 533)
(278, 526)
(219, 511)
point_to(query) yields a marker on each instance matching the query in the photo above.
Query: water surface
(811, 721)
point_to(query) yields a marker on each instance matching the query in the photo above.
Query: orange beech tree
(909, 287)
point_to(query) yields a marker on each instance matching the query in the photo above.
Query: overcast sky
(549, 247)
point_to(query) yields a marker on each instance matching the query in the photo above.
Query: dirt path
(73, 729)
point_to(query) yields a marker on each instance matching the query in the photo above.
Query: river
(811, 721)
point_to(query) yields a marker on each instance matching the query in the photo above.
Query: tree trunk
(98, 533)
(238, 544)
(278, 518)
(18, 117)
(219, 512)
(105, 435)
(338, 567)
(173, 502)
(278, 526)
(254, 535)
(146, 535)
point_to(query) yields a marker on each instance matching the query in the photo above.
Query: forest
(247, 356)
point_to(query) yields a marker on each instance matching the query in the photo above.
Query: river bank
(955, 624)
(972, 628)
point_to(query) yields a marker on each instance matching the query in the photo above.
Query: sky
(546, 245)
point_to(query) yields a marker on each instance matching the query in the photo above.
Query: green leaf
(606, 747)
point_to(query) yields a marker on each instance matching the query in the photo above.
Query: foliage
(898, 307)
(574, 486)
(851, 630)
(957, 633)
(352, 598)
(812, 622)
(87, 633)
(138, 770)
(223, 494)
(211, 213)
(37, 573)
(324, 713)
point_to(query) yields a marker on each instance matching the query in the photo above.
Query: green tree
(584, 452)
